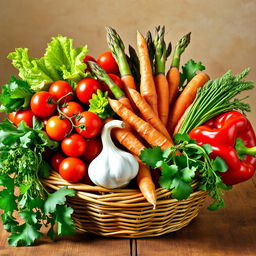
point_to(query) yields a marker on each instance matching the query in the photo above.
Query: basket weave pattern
(125, 212)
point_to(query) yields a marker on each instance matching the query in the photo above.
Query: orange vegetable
(147, 85)
(173, 78)
(181, 121)
(185, 99)
(147, 113)
(144, 129)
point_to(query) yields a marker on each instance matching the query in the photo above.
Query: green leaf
(207, 148)
(64, 221)
(100, 106)
(44, 169)
(37, 124)
(8, 200)
(189, 71)
(15, 95)
(184, 137)
(151, 156)
(25, 235)
(181, 190)
(188, 174)
(219, 165)
(9, 222)
(28, 216)
(57, 198)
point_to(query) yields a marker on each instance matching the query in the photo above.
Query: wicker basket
(125, 212)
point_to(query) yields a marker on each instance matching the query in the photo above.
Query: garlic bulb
(113, 167)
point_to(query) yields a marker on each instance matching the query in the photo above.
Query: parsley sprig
(21, 167)
(179, 170)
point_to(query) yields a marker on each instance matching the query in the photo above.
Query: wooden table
(230, 231)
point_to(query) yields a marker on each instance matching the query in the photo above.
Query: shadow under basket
(125, 212)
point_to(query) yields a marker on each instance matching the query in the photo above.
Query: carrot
(179, 124)
(147, 113)
(173, 75)
(147, 85)
(160, 78)
(144, 129)
(146, 184)
(185, 99)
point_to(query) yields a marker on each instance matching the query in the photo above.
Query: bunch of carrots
(154, 109)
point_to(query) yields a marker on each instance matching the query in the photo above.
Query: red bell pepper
(232, 138)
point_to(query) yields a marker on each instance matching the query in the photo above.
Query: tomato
(25, 115)
(94, 147)
(61, 88)
(86, 88)
(88, 58)
(58, 128)
(108, 63)
(56, 161)
(43, 104)
(74, 145)
(117, 80)
(90, 124)
(72, 108)
(72, 169)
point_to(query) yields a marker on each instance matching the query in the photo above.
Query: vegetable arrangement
(181, 125)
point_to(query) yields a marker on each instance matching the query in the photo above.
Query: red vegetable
(117, 80)
(22, 115)
(72, 108)
(74, 145)
(93, 148)
(108, 63)
(61, 88)
(233, 139)
(56, 161)
(88, 58)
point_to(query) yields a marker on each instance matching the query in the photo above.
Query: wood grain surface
(230, 232)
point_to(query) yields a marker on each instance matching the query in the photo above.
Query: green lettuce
(60, 62)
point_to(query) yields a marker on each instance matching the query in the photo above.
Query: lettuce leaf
(60, 62)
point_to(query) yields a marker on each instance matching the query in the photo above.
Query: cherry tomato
(86, 88)
(58, 128)
(88, 58)
(56, 161)
(117, 80)
(74, 145)
(108, 63)
(25, 115)
(72, 169)
(61, 88)
(93, 148)
(42, 104)
(90, 124)
(72, 108)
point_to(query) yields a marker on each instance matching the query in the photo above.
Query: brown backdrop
(223, 32)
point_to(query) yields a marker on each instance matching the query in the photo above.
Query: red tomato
(72, 169)
(74, 145)
(72, 108)
(90, 124)
(61, 88)
(25, 115)
(117, 80)
(94, 147)
(108, 63)
(86, 88)
(56, 161)
(43, 104)
(58, 128)
(88, 58)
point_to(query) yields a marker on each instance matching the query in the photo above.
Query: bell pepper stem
(242, 150)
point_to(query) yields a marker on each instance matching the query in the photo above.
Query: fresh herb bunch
(21, 167)
(216, 97)
(179, 169)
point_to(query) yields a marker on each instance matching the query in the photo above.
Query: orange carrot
(163, 97)
(147, 113)
(185, 99)
(173, 78)
(147, 85)
(144, 129)
(179, 124)
(146, 184)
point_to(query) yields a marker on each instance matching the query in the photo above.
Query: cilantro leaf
(100, 106)
(189, 71)
(181, 190)
(64, 221)
(151, 156)
(219, 165)
(8, 200)
(15, 95)
(57, 198)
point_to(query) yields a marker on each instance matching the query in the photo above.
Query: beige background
(223, 32)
